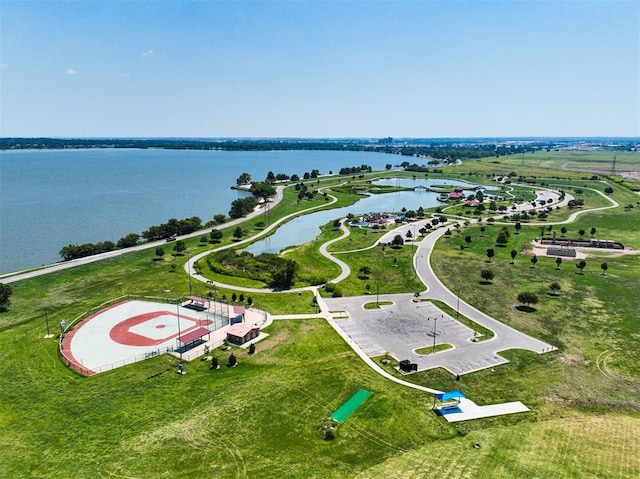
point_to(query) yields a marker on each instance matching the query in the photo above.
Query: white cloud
(4, 66)
(124, 74)
(70, 71)
(148, 53)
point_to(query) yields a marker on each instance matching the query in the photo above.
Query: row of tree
(170, 229)
(173, 227)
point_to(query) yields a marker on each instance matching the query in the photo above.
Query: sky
(315, 69)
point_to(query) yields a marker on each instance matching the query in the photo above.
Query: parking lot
(401, 328)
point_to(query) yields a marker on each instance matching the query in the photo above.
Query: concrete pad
(470, 410)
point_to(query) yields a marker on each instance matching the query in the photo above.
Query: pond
(305, 228)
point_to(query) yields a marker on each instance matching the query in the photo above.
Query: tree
(608, 190)
(215, 235)
(214, 363)
(365, 271)
(241, 297)
(252, 348)
(271, 178)
(219, 218)
(514, 253)
(490, 254)
(232, 361)
(249, 301)
(237, 232)
(555, 288)
(527, 298)
(487, 275)
(558, 262)
(262, 190)
(581, 233)
(243, 179)
(502, 239)
(581, 265)
(534, 260)
(5, 296)
(518, 227)
(604, 267)
(592, 231)
(242, 206)
(448, 232)
(130, 240)
(409, 235)
(179, 247)
(482, 230)
(397, 241)
(283, 276)
(563, 230)
(467, 239)
(159, 252)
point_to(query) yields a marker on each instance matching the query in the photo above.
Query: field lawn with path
(264, 418)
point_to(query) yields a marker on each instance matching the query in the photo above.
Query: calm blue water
(52, 198)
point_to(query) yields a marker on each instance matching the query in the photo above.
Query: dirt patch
(573, 360)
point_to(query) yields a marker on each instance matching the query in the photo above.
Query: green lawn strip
(482, 333)
(431, 350)
(275, 303)
(385, 278)
(314, 268)
(229, 279)
(358, 238)
(377, 305)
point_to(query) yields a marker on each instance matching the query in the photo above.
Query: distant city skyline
(320, 69)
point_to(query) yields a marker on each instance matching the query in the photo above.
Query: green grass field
(264, 418)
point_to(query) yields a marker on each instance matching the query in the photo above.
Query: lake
(52, 198)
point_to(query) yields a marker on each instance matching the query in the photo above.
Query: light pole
(179, 334)
(457, 301)
(189, 271)
(435, 327)
(435, 330)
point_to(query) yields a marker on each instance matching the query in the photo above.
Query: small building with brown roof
(241, 333)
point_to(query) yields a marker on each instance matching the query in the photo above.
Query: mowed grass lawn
(262, 419)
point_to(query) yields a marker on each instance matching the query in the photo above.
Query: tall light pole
(435, 330)
(435, 327)
(179, 334)
(189, 271)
